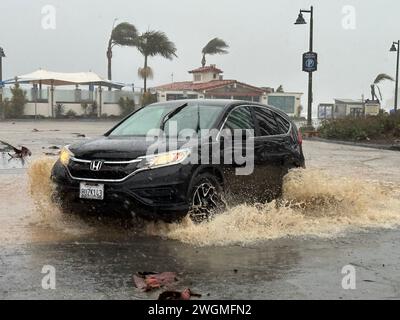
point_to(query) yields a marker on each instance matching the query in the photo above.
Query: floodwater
(313, 203)
(347, 197)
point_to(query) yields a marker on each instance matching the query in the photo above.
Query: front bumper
(156, 192)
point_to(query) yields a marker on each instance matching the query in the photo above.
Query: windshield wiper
(169, 115)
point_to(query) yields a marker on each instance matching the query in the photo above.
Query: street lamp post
(2, 55)
(396, 92)
(300, 20)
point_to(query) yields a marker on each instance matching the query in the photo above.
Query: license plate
(92, 191)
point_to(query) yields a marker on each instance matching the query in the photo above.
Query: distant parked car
(116, 173)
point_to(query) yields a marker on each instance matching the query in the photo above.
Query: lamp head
(300, 19)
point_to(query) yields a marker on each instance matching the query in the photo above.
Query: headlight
(164, 159)
(65, 155)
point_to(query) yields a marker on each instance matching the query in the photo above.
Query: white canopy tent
(64, 78)
(43, 77)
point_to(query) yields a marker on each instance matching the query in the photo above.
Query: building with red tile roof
(208, 83)
(206, 69)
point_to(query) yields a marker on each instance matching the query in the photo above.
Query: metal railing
(75, 95)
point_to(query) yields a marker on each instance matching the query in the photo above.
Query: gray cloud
(266, 46)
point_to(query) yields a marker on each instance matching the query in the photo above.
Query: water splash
(313, 203)
(40, 186)
(50, 221)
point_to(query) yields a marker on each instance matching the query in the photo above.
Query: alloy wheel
(205, 202)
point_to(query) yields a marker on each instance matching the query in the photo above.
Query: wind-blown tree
(215, 46)
(14, 108)
(151, 44)
(374, 86)
(124, 34)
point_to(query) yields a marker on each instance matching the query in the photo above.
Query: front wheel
(206, 198)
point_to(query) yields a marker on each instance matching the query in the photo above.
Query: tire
(205, 198)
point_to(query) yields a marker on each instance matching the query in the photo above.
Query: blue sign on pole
(310, 61)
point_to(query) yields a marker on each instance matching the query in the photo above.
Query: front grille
(108, 171)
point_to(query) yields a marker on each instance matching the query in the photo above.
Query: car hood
(118, 148)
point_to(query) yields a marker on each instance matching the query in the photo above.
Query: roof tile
(206, 69)
(213, 84)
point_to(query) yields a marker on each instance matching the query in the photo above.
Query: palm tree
(215, 46)
(150, 44)
(124, 34)
(379, 78)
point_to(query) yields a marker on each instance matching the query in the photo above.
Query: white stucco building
(208, 83)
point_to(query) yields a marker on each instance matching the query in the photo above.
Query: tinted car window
(141, 122)
(240, 118)
(150, 117)
(266, 122)
(283, 124)
(189, 117)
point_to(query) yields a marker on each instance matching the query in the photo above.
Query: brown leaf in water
(147, 281)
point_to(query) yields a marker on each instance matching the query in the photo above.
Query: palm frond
(216, 46)
(124, 34)
(381, 77)
(153, 43)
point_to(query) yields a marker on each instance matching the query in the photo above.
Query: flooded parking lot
(343, 209)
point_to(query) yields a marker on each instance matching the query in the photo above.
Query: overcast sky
(265, 45)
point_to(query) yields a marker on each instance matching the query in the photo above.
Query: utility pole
(3, 112)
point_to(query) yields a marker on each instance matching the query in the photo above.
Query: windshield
(149, 118)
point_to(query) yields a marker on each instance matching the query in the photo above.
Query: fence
(39, 101)
(75, 95)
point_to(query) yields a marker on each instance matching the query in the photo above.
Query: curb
(391, 147)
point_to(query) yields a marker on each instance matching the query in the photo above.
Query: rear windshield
(283, 124)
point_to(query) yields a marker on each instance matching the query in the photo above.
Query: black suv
(132, 170)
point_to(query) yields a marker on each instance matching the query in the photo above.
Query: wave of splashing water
(313, 203)
(40, 186)
(49, 215)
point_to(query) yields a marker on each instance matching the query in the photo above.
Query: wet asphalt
(101, 267)
(280, 269)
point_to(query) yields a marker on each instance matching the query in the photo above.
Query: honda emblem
(96, 165)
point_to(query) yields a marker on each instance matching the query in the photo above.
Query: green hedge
(373, 127)
(14, 107)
